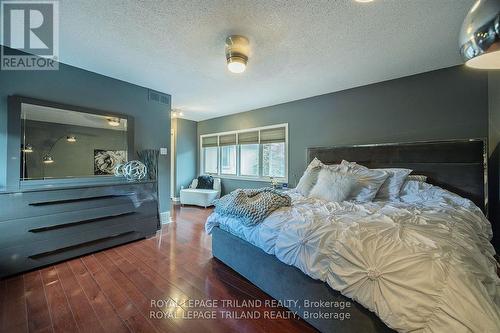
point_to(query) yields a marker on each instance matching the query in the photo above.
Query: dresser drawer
(31, 204)
(35, 254)
(54, 226)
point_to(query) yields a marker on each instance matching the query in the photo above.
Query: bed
(422, 263)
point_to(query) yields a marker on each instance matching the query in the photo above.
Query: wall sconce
(47, 159)
(27, 148)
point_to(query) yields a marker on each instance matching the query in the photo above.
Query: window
(210, 159)
(273, 160)
(228, 154)
(249, 157)
(228, 160)
(255, 154)
(210, 154)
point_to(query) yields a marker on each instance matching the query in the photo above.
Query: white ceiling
(300, 48)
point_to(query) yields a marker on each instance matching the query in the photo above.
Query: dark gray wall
(186, 153)
(74, 86)
(444, 104)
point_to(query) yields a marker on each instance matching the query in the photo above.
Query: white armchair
(200, 197)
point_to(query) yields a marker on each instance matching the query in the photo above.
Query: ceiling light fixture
(114, 122)
(71, 138)
(237, 48)
(364, 1)
(480, 35)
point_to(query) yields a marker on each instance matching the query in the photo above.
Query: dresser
(41, 226)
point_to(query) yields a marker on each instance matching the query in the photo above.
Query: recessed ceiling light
(363, 1)
(237, 48)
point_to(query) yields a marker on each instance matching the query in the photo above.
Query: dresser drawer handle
(63, 201)
(66, 225)
(72, 247)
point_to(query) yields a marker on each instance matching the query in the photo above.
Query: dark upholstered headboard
(459, 166)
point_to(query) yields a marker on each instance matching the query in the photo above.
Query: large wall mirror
(61, 141)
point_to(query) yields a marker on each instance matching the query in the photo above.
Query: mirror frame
(15, 135)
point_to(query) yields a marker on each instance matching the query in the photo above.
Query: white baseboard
(165, 218)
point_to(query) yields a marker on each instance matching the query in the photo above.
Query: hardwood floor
(112, 290)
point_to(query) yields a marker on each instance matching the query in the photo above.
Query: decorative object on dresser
(150, 159)
(132, 170)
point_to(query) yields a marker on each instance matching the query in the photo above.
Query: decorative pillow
(419, 178)
(309, 177)
(392, 185)
(205, 182)
(332, 185)
(368, 181)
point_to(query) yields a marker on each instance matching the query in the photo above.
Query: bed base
(285, 283)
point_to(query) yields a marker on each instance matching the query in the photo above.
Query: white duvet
(423, 263)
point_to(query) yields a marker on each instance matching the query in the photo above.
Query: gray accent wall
(450, 103)
(75, 86)
(185, 153)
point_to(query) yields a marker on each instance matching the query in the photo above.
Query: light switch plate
(163, 151)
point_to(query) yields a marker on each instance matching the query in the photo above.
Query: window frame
(238, 176)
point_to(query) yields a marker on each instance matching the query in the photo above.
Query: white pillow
(392, 185)
(368, 181)
(309, 177)
(332, 185)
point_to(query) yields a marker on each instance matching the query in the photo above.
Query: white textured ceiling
(300, 48)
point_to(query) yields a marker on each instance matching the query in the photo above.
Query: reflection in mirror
(59, 143)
